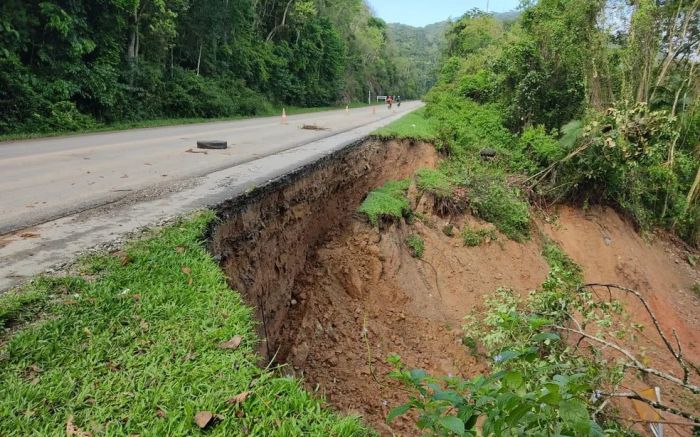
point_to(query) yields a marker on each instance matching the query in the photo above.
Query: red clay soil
(364, 297)
(610, 251)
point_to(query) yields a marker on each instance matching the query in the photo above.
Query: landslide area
(336, 295)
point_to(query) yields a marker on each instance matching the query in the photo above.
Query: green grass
(387, 202)
(414, 125)
(134, 351)
(161, 122)
(416, 244)
(476, 237)
(434, 182)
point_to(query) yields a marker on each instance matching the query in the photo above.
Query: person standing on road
(389, 101)
(398, 101)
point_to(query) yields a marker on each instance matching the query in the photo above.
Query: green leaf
(397, 411)
(418, 375)
(546, 336)
(453, 424)
(448, 395)
(505, 356)
(513, 379)
(574, 412)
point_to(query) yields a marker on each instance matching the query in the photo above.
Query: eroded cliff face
(265, 238)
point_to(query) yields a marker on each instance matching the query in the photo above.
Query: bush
(388, 202)
(541, 147)
(624, 160)
(492, 200)
(480, 86)
(476, 237)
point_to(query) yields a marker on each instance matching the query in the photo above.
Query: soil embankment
(336, 296)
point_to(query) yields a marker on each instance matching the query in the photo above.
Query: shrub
(540, 146)
(387, 202)
(416, 245)
(476, 237)
(492, 200)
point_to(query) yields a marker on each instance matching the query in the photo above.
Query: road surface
(50, 178)
(61, 196)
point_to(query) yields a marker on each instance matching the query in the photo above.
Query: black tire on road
(212, 144)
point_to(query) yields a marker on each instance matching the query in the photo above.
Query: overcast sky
(422, 12)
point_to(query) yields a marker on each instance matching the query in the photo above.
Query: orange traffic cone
(284, 116)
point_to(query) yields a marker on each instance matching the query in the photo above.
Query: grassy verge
(137, 349)
(414, 125)
(111, 127)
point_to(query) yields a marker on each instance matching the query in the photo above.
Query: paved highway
(50, 178)
(62, 196)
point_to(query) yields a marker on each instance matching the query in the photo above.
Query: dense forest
(419, 50)
(71, 64)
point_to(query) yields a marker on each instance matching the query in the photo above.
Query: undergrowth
(476, 237)
(387, 202)
(138, 349)
(537, 385)
(416, 245)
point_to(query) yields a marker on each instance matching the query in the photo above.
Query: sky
(422, 12)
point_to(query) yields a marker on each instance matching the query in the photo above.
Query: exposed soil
(610, 251)
(336, 296)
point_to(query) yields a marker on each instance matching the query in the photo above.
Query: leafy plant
(434, 182)
(416, 245)
(475, 237)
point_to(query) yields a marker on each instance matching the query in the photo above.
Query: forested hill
(420, 49)
(71, 64)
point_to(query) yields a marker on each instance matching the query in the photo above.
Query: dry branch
(677, 354)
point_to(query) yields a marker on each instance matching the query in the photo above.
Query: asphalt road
(45, 179)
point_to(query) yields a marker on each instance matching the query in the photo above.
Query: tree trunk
(199, 58)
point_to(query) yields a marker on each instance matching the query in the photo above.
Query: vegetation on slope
(560, 106)
(141, 342)
(559, 97)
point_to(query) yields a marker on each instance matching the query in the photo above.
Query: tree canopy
(69, 64)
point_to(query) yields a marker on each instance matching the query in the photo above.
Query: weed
(696, 288)
(492, 200)
(476, 237)
(416, 245)
(135, 351)
(448, 230)
(387, 202)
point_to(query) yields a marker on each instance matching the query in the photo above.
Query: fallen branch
(633, 360)
(678, 355)
(654, 404)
